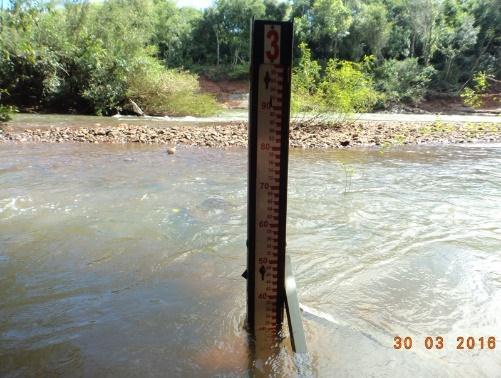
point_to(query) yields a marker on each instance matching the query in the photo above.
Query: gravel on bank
(235, 134)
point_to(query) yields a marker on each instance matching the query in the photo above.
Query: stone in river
(171, 150)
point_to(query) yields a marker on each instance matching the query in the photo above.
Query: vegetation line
(351, 56)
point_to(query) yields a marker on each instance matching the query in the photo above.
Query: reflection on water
(126, 261)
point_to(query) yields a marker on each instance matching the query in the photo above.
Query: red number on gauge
(272, 35)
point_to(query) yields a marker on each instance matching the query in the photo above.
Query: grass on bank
(6, 113)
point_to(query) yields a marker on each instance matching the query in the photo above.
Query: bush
(306, 96)
(6, 113)
(343, 87)
(161, 91)
(472, 96)
(403, 80)
(347, 89)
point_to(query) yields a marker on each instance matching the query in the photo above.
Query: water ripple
(120, 259)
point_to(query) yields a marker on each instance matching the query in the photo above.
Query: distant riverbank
(234, 134)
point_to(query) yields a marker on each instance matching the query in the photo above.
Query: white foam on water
(10, 205)
(321, 315)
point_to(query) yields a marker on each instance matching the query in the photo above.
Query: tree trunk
(449, 64)
(217, 47)
(236, 56)
(427, 48)
(136, 109)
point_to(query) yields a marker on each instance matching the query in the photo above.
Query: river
(125, 261)
(24, 121)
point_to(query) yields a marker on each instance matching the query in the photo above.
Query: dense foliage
(343, 86)
(159, 91)
(92, 57)
(403, 80)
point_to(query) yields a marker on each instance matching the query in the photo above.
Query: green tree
(403, 81)
(234, 23)
(222, 35)
(456, 34)
(486, 55)
(370, 31)
(322, 24)
(422, 19)
(399, 40)
(330, 21)
(206, 44)
(173, 32)
(276, 10)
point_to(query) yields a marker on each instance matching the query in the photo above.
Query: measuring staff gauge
(269, 110)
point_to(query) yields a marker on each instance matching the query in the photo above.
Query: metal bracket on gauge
(269, 115)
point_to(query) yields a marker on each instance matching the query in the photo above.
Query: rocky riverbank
(235, 134)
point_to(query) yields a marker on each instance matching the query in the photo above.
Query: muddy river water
(125, 261)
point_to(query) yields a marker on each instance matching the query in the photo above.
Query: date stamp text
(439, 342)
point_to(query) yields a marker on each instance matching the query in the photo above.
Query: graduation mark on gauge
(268, 161)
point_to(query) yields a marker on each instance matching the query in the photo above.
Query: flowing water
(125, 261)
(26, 121)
